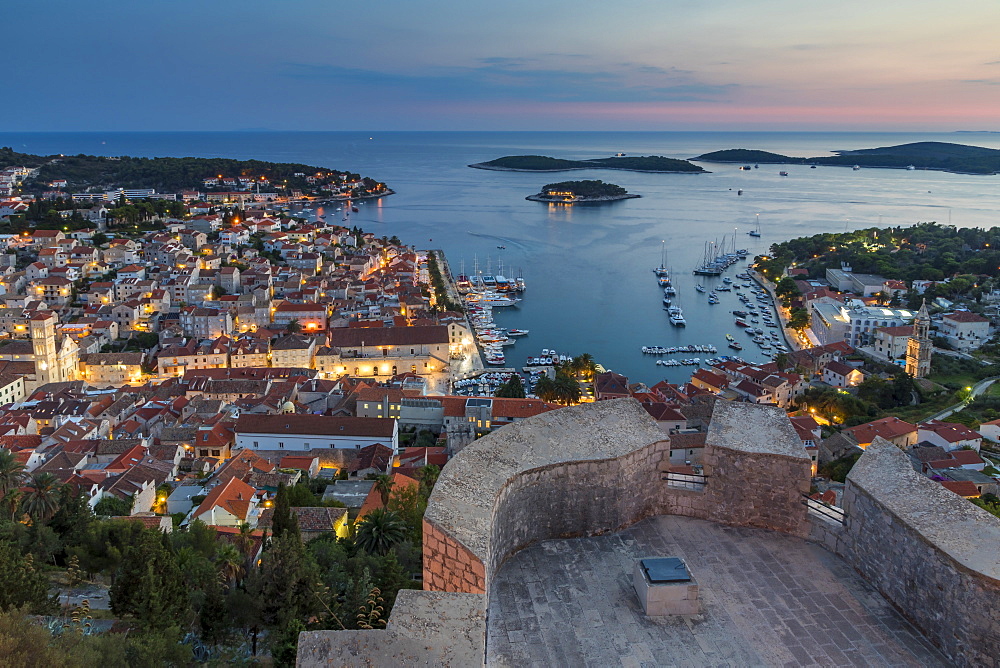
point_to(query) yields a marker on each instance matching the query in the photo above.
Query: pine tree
(283, 519)
(149, 585)
(23, 583)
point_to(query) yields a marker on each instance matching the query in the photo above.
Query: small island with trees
(541, 163)
(932, 155)
(580, 192)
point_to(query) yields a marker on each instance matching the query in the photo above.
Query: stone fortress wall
(600, 467)
(931, 553)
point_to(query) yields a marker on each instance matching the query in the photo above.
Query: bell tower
(919, 347)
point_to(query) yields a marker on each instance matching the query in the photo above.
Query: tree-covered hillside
(586, 188)
(926, 251)
(920, 155)
(168, 174)
(541, 163)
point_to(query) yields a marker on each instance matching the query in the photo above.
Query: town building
(964, 330)
(313, 432)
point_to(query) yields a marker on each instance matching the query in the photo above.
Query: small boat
(745, 168)
(740, 314)
(517, 332)
(782, 173)
(502, 247)
(713, 299)
(664, 281)
(740, 191)
(355, 209)
(729, 337)
(700, 287)
(910, 168)
(667, 301)
(736, 345)
(756, 166)
(856, 167)
(619, 155)
(742, 323)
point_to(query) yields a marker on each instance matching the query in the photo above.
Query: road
(977, 389)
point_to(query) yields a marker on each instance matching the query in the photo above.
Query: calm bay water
(590, 288)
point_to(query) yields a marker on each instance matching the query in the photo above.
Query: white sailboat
(662, 270)
(755, 232)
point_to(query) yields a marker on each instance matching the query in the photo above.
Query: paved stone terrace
(768, 600)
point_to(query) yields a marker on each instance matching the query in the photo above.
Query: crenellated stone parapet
(931, 553)
(601, 467)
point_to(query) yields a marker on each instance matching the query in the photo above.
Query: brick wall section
(449, 565)
(933, 554)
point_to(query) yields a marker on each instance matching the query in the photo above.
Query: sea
(588, 268)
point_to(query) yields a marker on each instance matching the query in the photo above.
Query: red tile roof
(965, 316)
(374, 498)
(235, 497)
(315, 424)
(952, 432)
(965, 488)
(887, 427)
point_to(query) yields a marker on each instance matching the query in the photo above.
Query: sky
(920, 65)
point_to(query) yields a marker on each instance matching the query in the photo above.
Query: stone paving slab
(768, 600)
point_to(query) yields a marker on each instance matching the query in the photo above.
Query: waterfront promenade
(472, 362)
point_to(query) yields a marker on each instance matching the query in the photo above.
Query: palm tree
(567, 389)
(383, 484)
(42, 499)
(244, 540)
(587, 365)
(293, 327)
(11, 473)
(379, 531)
(545, 389)
(230, 562)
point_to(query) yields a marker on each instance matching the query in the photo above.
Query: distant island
(541, 163)
(941, 156)
(580, 192)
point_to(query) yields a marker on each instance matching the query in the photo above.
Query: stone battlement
(598, 468)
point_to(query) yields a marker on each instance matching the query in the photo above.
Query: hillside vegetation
(586, 188)
(922, 155)
(927, 251)
(164, 174)
(541, 163)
